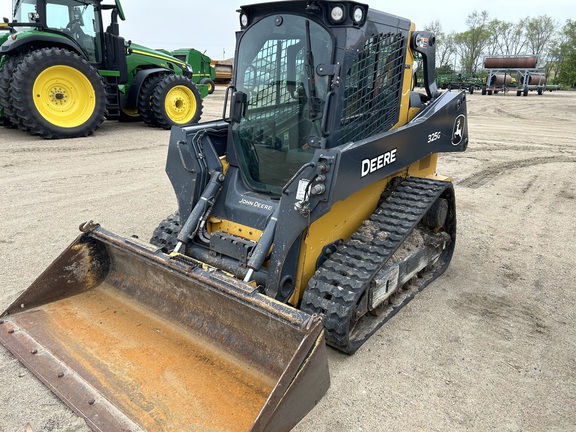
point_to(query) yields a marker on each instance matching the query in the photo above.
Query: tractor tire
(58, 94)
(525, 92)
(145, 99)
(4, 121)
(483, 90)
(208, 82)
(176, 102)
(166, 233)
(11, 121)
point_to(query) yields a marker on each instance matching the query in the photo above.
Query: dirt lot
(490, 346)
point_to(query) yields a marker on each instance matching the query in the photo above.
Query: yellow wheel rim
(180, 104)
(64, 96)
(130, 112)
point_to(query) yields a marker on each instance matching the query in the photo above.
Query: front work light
(358, 15)
(244, 20)
(337, 14)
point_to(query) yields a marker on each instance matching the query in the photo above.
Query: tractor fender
(13, 47)
(134, 90)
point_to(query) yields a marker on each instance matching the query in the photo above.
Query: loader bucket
(134, 339)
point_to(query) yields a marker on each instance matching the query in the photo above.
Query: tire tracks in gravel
(482, 177)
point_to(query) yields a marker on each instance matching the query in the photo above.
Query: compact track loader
(311, 212)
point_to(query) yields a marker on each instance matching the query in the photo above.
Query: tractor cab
(80, 22)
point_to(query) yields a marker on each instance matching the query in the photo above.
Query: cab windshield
(277, 63)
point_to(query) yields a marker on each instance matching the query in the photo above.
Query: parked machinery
(459, 81)
(519, 72)
(224, 70)
(312, 213)
(62, 73)
(202, 70)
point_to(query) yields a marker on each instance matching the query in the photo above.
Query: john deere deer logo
(458, 130)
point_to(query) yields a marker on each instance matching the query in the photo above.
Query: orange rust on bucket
(160, 375)
(126, 335)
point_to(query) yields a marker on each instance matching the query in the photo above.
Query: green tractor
(204, 72)
(62, 73)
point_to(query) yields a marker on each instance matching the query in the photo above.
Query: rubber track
(338, 285)
(165, 234)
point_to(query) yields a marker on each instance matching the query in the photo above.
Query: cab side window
(373, 88)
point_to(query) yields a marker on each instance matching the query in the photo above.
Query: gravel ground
(491, 345)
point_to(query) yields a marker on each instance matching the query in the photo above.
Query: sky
(210, 26)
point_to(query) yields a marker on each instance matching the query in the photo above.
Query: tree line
(553, 43)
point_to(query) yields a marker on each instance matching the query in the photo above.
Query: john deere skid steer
(311, 213)
(63, 71)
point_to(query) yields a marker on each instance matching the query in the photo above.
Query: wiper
(16, 6)
(313, 101)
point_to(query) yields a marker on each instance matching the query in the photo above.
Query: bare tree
(445, 48)
(447, 53)
(471, 43)
(435, 27)
(540, 33)
(506, 38)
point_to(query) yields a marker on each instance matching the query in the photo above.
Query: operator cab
(315, 76)
(81, 22)
(78, 20)
(276, 70)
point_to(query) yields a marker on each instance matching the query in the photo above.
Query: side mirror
(238, 107)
